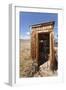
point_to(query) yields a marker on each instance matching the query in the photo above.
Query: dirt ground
(28, 67)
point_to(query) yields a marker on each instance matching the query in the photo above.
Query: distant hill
(24, 40)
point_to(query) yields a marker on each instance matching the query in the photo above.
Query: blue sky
(29, 18)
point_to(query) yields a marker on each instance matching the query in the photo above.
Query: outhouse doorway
(43, 44)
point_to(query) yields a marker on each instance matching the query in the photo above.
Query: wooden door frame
(37, 46)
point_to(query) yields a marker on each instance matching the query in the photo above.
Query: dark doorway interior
(43, 47)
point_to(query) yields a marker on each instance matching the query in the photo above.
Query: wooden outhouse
(42, 43)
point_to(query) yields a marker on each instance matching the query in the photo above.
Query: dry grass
(25, 59)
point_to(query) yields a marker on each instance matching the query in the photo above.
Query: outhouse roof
(43, 24)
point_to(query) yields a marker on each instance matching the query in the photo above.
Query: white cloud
(25, 36)
(28, 33)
